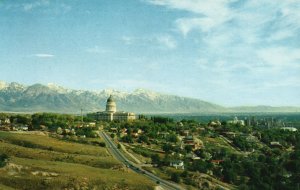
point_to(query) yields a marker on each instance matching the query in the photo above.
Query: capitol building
(111, 113)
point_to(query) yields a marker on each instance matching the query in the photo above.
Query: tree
(229, 175)
(188, 148)
(167, 148)
(112, 135)
(175, 177)
(3, 158)
(127, 139)
(143, 138)
(155, 159)
(172, 138)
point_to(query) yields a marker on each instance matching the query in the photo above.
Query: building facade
(111, 113)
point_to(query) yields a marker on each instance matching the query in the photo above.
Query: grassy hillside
(42, 162)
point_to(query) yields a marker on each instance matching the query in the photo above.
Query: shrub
(3, 158)
(175, 177)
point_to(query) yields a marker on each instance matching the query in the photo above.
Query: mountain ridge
(15, 97)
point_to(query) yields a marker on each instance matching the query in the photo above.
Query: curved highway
(119, 155)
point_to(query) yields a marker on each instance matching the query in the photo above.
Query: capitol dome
(111, 105)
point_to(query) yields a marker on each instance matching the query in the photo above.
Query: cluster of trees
(152, 127)
(51, 120)
(244, 144)
(161, 120)
(286, 138)
(63, 124)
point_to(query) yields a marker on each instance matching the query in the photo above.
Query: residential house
(178, 164)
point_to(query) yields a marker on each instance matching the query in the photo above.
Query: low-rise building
(292, 129)
(178, 164)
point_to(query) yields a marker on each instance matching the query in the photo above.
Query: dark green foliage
(118, 146)
(53, 120)
(112, 135)
(172, 138)
(168, 147)
(21, 119)
(127, 139)
(143, 138)
(161, 120)
(188, 149)
(155, 159)
(243, 144)
(201, 166)
(143, 151)
(87, 131)
(3, 158)
(175, 177)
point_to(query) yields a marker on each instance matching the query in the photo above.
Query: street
(119, 156)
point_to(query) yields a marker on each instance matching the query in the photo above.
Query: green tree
(155, 159)
(127, 139)
(3, 158)
(172, 138)
(188, 148)
(112, 135)
(175, 177)
(167, 148)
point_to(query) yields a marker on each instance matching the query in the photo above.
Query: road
(119, 155)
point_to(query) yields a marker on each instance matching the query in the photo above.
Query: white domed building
(111, 114)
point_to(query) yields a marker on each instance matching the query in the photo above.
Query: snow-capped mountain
(38, 97)
(16, 97)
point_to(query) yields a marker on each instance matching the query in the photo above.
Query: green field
(42, 162)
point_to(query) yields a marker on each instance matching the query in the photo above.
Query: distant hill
(15, 97)
(265, 109)
(52, 98)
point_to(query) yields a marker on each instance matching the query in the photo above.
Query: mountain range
(15, 97)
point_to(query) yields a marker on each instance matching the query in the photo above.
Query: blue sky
(230, 52)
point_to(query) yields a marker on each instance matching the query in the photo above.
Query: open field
(218, 142)
(47, 143)
(42, 162)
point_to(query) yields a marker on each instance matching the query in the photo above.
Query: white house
(178, 164)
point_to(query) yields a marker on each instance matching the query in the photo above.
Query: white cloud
(36, 4)
(167, 41)
(97, 50)
(247, 21)
(128, 40)
(208, 14)
(212, 8)
(185, 25)
(280, 56)
(44, 6)
(280, 35)
(43, 55)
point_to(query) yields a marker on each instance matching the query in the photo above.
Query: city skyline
(227, 52)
